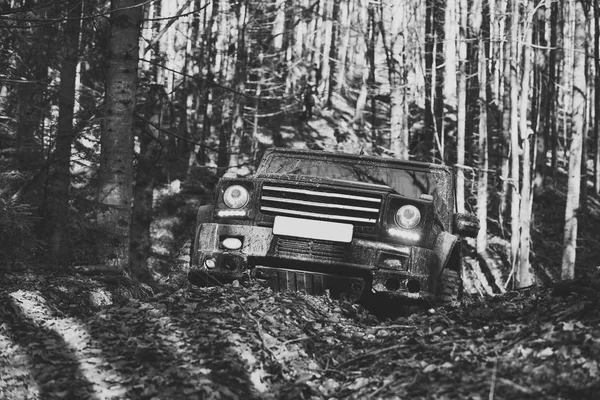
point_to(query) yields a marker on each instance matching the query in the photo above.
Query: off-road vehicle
(316, 220)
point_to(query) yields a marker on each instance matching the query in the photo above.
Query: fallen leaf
(359, 383)
(547, 352)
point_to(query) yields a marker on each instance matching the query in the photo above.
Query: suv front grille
(357, 208)
(312, 249)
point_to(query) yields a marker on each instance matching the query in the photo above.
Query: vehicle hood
(318, 181)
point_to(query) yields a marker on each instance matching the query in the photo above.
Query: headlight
(408, 217)
(236, 196)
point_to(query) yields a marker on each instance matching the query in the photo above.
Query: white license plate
(311, 229)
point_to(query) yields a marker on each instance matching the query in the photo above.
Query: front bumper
(312, 265)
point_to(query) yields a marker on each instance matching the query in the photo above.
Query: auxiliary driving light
(210, 263)
(406, 235)
(392, 263)
(232, 243)
(231, 213)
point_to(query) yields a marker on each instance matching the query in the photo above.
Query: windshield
(407, 182)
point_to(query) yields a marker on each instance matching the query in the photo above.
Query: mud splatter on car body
(316, 221)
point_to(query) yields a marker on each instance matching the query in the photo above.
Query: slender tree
(482, 184)
(525, 276)
(394, 17)
(514, 134)
(58, 207)
(116, 162)
(461, 109)
(596, 108)
(575, 148)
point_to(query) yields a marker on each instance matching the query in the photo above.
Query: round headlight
(236, 196)
(408, 217)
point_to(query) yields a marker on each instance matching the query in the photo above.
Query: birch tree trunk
(340, 76)
(578, 107)
(394, 21)
(450, 54)
(524, 275)
(514, 134)
(334, 62)
(596, 108)
(482, 184)
(506, 123)
(116, 160)
(237, 126)
(461, 107)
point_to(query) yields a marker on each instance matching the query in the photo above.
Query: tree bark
(514, 134)
(58, 210)
(237, 127)
(461, 107)
(32, 68)
(116, 160)
(596, 108)
(482, 184)
(575, 149)
(393, 20)
(525, 275)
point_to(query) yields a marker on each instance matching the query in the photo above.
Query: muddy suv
(354, 224)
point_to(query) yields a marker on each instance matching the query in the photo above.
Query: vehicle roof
(354, 157)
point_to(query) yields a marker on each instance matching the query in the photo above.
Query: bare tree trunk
(482, 184)
(578, 101)
(116, 160)
(558, 54)
(461, 107)
(340, 79)
(225, 65)
(371, 39)
(429, 128)
(524, 276)
(596, 108)
(208, 40)
(333, 52)
(450, 92)
(60, 243)
(393, 17)
(438, 77)
(506, 121)
(32, 67)
(147, 173)
(237, 127)
(514, 134)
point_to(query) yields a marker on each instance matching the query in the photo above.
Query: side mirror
(466, 225)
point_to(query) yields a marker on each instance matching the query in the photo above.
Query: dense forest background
(106, 108)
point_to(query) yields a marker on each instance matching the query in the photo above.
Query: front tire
(450, 288)
(204, 215)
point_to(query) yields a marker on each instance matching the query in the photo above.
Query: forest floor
(70, 334)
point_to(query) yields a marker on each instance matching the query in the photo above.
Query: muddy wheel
(450, 288)
(204, 215)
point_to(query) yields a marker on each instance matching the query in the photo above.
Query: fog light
(231, 213)
(392, 263)
(210, 263)
(232, 243)
(406, 235)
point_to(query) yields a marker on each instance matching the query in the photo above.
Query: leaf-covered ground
(68, 336)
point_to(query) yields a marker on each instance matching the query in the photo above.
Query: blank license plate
(311, 229)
